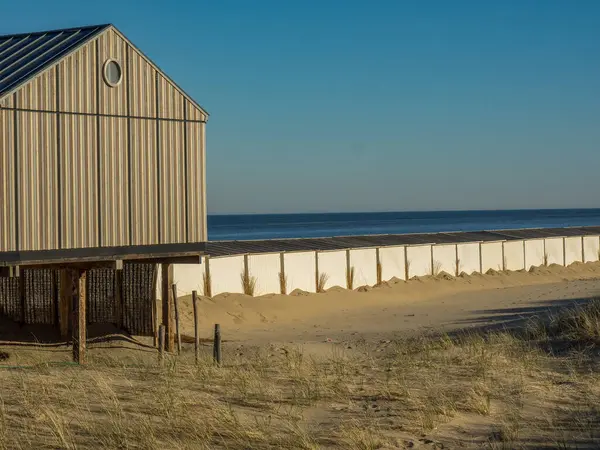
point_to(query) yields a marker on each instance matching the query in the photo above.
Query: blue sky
(325, 105)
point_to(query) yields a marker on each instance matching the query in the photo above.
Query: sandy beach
(443, 303)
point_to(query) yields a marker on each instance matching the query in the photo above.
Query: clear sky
(344, 105)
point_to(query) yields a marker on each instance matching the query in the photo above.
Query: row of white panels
(301, 269)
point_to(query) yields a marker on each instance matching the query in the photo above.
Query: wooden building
(102, 156)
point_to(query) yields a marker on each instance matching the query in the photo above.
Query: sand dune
(274, 317)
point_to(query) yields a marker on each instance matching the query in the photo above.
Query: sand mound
(444, 276)
(364, 289)
(299, 293)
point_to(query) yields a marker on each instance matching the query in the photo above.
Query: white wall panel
(300, 271)
(392, 263)
(534, 253)
(573, 250)
(491, 256)
(591, 246)
(419, 260)
(364, 262)
(444, 259)
(514, 255)
(468, 256)
(188, 278)
(265, 267)
(554, 251)
(334, 265)
(226, 273)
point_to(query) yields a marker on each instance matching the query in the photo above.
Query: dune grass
(472, 389)
(248, 283)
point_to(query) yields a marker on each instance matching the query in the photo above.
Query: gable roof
(24, 56)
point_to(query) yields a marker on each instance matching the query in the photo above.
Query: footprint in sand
(237, 318)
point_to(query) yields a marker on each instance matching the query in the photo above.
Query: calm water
(271, 226)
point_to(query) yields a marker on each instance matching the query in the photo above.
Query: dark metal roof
(228, 248)
(23, 56)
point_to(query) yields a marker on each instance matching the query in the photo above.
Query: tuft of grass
(379, 273)
(322, 279)
(283, 283)
(350, 277)
(436, 268)
(207, 284)
(248, 283)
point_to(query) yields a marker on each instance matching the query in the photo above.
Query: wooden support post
(196, 327)
(168, 317)
(217, 345)
(154, 307)
(161, 345)
(79, 317)
(119, 321)
(65, 301)
(176, 305)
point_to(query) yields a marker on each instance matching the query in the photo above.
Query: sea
(277, 226)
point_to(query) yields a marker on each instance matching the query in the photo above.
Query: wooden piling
(161, 344)
(168, 316)
(176, 305)
(217, 344)
(79, 317)
(196, 327)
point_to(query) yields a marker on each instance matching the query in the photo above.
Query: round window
(112, 73)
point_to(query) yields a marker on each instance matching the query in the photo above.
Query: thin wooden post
(119, 298)
(196, 327)
(65, 302)
(154, 307)
(176, 304)
(168, 317)
(79, 317)
(217, 344)
(161, 344)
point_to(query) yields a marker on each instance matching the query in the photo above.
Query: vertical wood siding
(38, 190)
(7, 181)
(114, 182)
(79, 196)
(172, 183)
(170, 101)
(78, 74)
(195, 182)
(83, 193)
(39, 94)
(113, 100)
(142, 86)
(144, 190)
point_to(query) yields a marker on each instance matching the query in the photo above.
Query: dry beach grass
(534, 387)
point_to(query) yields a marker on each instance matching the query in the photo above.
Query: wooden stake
(168, 317)
(154, 307)
(79, 318)
(217, 345)
(176, 304)
(196, 327)
(161, 344)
